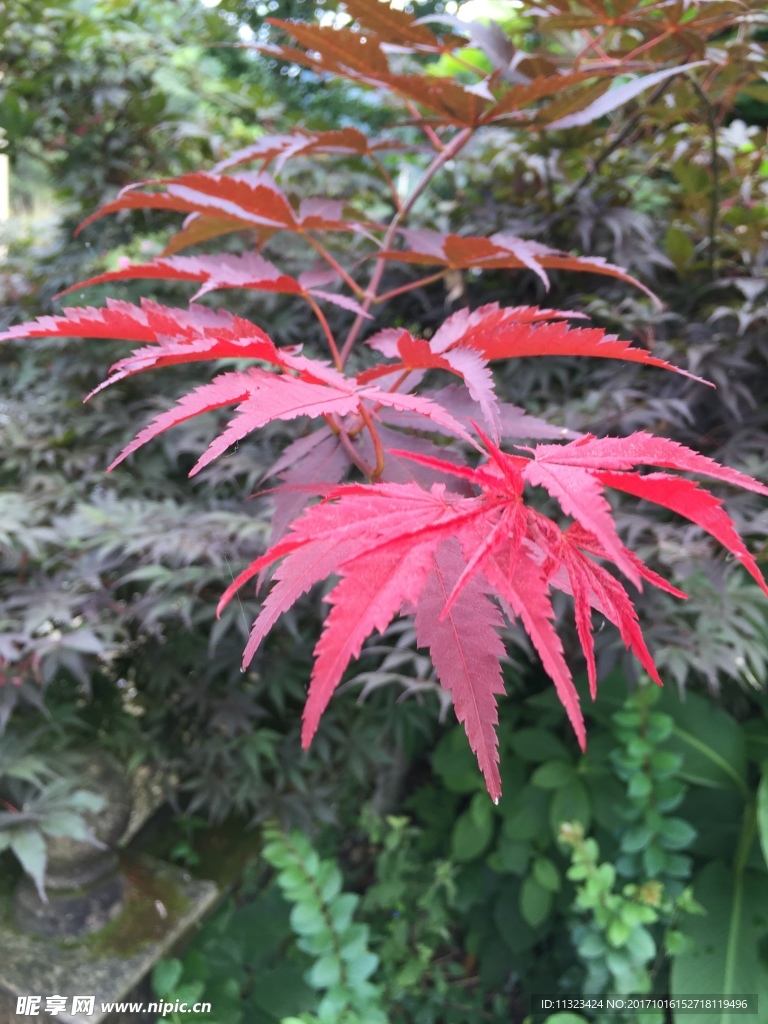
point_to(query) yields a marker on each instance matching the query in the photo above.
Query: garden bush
(520, 151)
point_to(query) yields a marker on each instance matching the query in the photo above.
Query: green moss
(150, 887)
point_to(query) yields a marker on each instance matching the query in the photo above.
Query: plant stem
(379, 467)
(456, 144)
(354, 456)
(421, 283)
(387, 178)
(350, 281)
(326, 331)
(714, 201)
(431, 134)
(628, 128)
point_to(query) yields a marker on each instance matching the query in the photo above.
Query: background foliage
(109, 584)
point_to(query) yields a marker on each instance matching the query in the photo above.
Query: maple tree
(438, 522)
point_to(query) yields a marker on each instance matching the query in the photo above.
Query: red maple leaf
(223, 271)
(500, 251)
(399, 546)
(278, 149)
(249, 199)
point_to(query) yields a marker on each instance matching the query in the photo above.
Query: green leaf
(341, 909)
(525, 817)
(473, 829)
(166, 976)
(641, 945)
(710, 741)
(455, 764)
(29, 847)
(592, 945)
(325, 972)
(639, 786)
(655, 860)
(678, 247)
(67, 823)
(307, 919)
(328, 881)
(762, 811)
(362, 968)
(618, 932)
(509, 856)
(570, 803)
(566, 1018)
(537, 745)
(726, 941)
(546, 874)
(535, 902)
(513, 928)
(676, 834)
(85, 800)
(553, 774)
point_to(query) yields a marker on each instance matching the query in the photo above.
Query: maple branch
(329, 419)
(456, 144)
(354, 456)
(627, 130)
(326, 331)
(714, 201)
(421, 283)
(379, 467)
(388, 179)
(431, 134)
(335, 265)
(403, 377)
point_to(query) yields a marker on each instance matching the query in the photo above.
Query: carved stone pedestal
(108, 919)
(162, 903)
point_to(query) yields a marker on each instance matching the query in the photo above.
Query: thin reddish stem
(354, 456)
(326, 331)
(431, 134)
(335, 265)
(379, 467)
(388, 179)
(421, 283)
(456, 144)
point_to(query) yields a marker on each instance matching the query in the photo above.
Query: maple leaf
(400, 29)
(250, 199)
(224, 270)
(466, 650)
(618, 96)
(499, 251)
(318, 459)
(278, 149)
(399, 547)
(467, 341)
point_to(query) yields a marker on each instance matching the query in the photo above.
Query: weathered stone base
(162, 904)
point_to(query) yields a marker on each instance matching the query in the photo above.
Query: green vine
(322, 918)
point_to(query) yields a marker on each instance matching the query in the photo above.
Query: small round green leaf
(535, 902)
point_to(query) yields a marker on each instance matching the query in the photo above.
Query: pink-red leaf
(580, 495)
(300, 142)
(688, 499)
(224, 270)
(498, 252)
(466, 649)
(618, 96)
(262, 397)
(247, 198)
(372, 591)
(642, 449)
(524, 587)
(503, 334)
